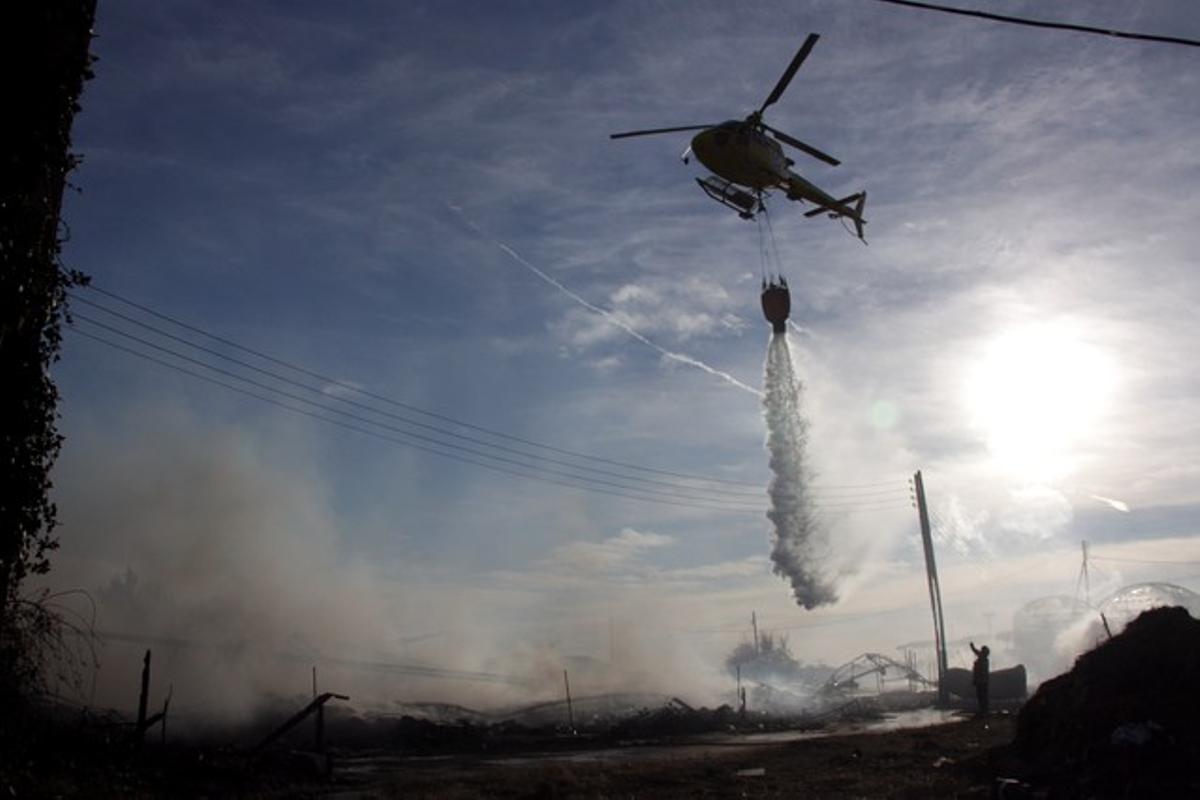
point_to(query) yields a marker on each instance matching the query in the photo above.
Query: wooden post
(738, 667)
(319, 734)
(570, 710)
(299, 717)
(935, 590)
(166, 707)
(144, 697)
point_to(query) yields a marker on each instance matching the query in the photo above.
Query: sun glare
(1037, 395)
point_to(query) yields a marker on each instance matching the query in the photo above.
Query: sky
(421, 201)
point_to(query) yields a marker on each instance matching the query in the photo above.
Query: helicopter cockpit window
(721, 138)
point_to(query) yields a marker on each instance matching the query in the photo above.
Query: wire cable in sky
(400, 418)
(1143, 561)
(423, 443)
(391, 401)
(682, 358)
(395, 440)
(713, 502)
(1034, 23)
(850, 490)
(691, 492)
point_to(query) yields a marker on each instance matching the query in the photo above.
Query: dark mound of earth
(1123, 721)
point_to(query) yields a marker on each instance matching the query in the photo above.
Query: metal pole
(935, 590)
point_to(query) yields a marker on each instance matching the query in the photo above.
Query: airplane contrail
(682, 358)
(1116, 504)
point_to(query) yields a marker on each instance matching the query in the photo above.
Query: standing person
(979, 677)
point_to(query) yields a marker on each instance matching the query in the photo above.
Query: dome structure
(1131, 601)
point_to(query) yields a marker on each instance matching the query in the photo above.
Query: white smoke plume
(800, 550)
(218, 547)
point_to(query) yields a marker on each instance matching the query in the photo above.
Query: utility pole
(1084, 578)
(935, 589)
(754, 625)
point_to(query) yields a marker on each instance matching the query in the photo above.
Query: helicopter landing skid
(731, 196)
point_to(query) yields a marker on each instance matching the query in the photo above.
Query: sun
(1037, 394)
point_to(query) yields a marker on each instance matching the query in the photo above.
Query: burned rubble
(1122, 722)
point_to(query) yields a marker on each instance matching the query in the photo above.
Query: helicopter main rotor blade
(799, 145)
(652, 131)
(801, 54)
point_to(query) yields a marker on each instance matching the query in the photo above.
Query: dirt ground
(959, 759)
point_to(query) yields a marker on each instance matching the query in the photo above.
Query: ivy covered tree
(44, 61)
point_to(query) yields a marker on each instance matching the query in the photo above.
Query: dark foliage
(44, 62)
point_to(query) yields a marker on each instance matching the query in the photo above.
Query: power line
(1033, 23)
(398, 417)
(1144, 561)
(399, 404)
(716, 503)
(849, 490)
(384, 437)
(580, 482)
(687, 492)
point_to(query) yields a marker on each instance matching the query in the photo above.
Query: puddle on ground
(692, 746)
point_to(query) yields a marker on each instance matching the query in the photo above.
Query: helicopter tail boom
(841, 208)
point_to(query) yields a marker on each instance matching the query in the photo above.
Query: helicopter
(747, 162)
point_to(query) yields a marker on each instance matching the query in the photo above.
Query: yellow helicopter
(747, 162)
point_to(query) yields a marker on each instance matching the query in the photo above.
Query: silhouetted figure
(979, 677)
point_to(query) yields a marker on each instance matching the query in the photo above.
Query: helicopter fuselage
(747, 163)
(740, 153)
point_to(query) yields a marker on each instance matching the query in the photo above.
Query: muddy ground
(956, 759)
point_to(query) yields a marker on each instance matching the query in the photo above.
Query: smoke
(219, 548)
(799, 551)
(227, 567)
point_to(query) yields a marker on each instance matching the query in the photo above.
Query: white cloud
(620, 551)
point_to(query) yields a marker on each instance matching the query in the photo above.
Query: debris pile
(676, 718)
(1123, 720)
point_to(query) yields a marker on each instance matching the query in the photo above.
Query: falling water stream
(799, 547)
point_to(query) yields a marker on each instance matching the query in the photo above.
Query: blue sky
(344, 187)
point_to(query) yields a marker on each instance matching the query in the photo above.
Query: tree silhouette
(44, 61)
